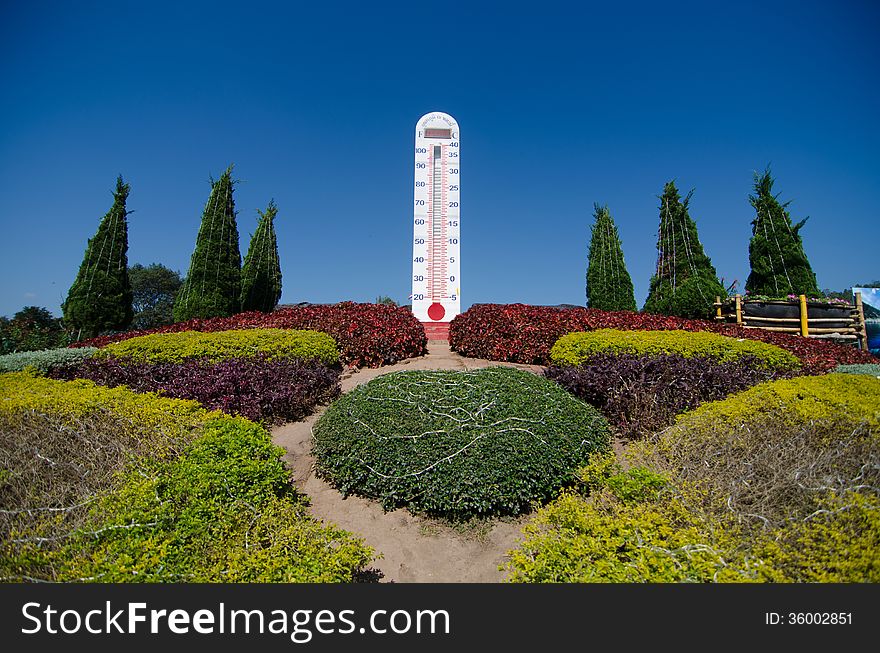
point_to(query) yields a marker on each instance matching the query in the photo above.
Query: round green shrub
(224, 345)
(575, 348)
(457, 444)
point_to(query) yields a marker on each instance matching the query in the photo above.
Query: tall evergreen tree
(609, 286)
(779, 266)
(261, 272)
(100, 297)
(685, 283)
(213, 283)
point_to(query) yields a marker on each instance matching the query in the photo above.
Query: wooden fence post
(739, 314)
(805, 327)
(862, 327)
(718, 307)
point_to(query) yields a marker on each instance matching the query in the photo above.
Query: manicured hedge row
(259, 389)
(525, 334)
(368, 335)
(190, 496)
(44, 360)
(775, 484)
(640, 394)
(272, 344)
(576, 348)
(457, 444)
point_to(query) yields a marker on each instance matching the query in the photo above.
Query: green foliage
(73, 401)
(757, 497)
(836, 544)
(688, 299)
(573, 540)
(805, 399)
(154, 288)
(457, 444)
(779, 265)
(609, 286)
(217, 508)
(873, 369)
(685, 283)
(198, 510)
(43, 361)
(636, 484)
(31, 329)
(387, 301)
(100, 297)
(223, 345)
(261, 272)
(213, 284)
(575, 348)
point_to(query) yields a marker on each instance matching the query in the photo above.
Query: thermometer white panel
(436, 295)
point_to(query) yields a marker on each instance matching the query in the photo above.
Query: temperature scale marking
(436, 228)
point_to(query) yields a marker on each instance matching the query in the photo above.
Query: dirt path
(413, 549)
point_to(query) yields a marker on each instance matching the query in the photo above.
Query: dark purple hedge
(261, 390)
(641, 394)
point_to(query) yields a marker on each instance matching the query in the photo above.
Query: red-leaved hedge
(368, 335)
(524, 334)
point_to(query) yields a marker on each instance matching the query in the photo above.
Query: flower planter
(833, 317)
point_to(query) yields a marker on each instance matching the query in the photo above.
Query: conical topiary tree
(213, 283)
(685, 283)
(779, 266)
(100, 297)
(609, 286)
(261, 272)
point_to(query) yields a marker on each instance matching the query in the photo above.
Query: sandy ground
(413, 549)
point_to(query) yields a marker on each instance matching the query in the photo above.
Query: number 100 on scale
(436, 295)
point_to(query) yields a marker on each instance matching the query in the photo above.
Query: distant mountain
(871, 313)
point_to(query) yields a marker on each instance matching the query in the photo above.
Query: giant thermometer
(436, 233)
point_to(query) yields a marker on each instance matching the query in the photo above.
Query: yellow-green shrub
(576, 348)
(778, 483)
(576, 540)
(222, 345)
(217, 506)
(672, 540)
(158, 421)
(803, 399)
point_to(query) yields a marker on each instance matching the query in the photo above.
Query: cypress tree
(100, 297)
(778, 263)
(609, 286)
(685, 283)
(213, 283)
(261, 272)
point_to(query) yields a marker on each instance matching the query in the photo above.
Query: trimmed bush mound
(368, 335)
(272, 391)
(576, 348)
(44, 360)
(639, 394)
(776, 484)
(872, 369)
(108, 485)
(273, 344)
(457, 444)
(525, 334)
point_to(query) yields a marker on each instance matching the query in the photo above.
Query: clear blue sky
(560, 105)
